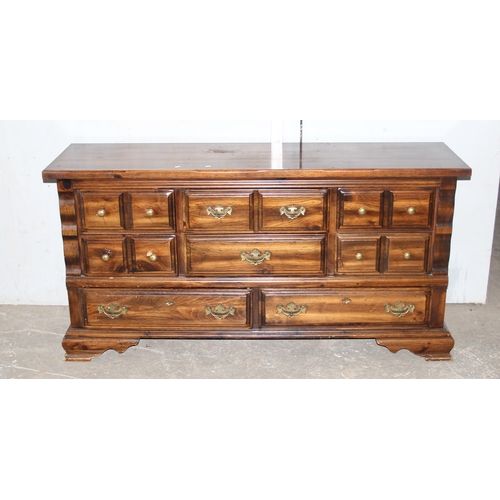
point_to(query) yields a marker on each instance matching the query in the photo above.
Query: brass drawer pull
(219, 211)
(407, 256)
(220, 311)
(362, 211)
(150, 212)
(411, 211)
(169, 303)
(152, 256)
(346, 300)
(359, 256)
(292, 212)
(399, 309)
(101, 212)
(105, 257)
(255, 256)
(112, 310)
(291, 309)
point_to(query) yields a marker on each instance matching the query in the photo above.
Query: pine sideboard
(228, 241)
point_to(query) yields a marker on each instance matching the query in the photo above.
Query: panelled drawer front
(408, 253)
(254, 256)
(358, 254)
(100, 211)
(219, 211)
(153, 255)
(292, 210)
(209, 309)
(103, 255)
(324, 308)
(411, 208)
(360, 209)
(151, 210)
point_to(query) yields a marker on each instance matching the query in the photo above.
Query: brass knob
(362, 211)
(105, 257)
(153, 257)
(150, 212)
(411, 211)
(101, 212)
(407, 256)
(359, 256)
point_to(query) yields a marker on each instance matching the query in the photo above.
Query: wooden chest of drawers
(213, 241)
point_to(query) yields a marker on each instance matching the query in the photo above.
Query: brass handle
(105, 257)
(220, 311)
(411, 211)
(399, 309)
(219, 211)
(101, 212)
(362, 211)
(292, 212)
(346, 300)
(112, 310)
(291, 309)
(169, 303)
(407, 256)
(255, 256)
(150, 212)
(359, 256)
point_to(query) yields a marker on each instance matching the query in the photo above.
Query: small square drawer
(103, 256)
(100, 211)
(360, 209)
(153, 255)
(152, 210)
(323, 308)
(292, 210)
(255, 256)
(411, 208)
(358, 254)
(408, 254)
(168, 309)
(218, 211)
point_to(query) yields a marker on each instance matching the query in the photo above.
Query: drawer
(358, 254)
(347, 307)
(166, 309)
(103, 255)
(360, 208)
(153, 255)
(409, 253)
(411, 208)
(152, 210)
(100, 210)
(254, 256)
(292, 210)
(219, 211)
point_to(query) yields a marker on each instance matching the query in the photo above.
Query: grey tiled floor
(30, 347)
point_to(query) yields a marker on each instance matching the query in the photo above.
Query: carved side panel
(68, 228)
(444, 220)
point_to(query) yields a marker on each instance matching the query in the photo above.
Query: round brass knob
(362, 211)
(101, 212)
(150, 212)
(153, 257)
(411, 211)
(359, 256)
(407, 256)
(105, 257)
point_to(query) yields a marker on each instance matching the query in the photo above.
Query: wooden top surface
(184, 161)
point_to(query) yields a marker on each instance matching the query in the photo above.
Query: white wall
(32, 270)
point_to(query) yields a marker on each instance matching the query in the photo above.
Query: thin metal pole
(300, 165)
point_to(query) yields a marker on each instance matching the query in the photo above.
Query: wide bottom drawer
(200, 309)
(347, 307)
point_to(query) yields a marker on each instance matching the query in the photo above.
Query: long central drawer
(254, 256)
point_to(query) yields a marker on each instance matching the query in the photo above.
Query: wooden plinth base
(433, 345)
